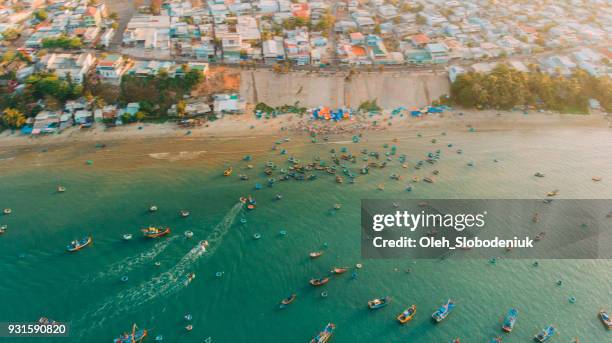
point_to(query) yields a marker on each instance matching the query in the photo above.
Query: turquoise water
(111, 197)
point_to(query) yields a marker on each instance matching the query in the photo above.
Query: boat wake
(170, 281)
(129, 263)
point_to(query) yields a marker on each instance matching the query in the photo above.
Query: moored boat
(134, 337)
(605, 318)
(288, 300)
(319, 282)
(510, 320)
(325, 335)
(228, 171)
(545, 334)
(184, 213)
(126, 236)
(315, 254)
(152, 208)
(61, 189)
(153, 232)
(339, 270)
(443, 312)
(379, 303)
(407, 315)
(7, 211)
(203, 245)
(77, 245)
(540, 236)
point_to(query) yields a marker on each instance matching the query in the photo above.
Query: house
(92, 17)
(112, 67)
(148, 32)
(387, 12)
(232, 45)
(107, 37)
(438, 52)
(273, 50)
(45, 122)
(83, 117)
(420, 40)
(228, 103)
(357, 38)
(75, 65)
(106, 114)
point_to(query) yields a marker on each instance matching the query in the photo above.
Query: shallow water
(111, 197)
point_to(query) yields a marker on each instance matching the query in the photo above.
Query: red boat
(153, 232)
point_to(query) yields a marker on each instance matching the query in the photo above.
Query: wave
(130, 263)
(170, 281)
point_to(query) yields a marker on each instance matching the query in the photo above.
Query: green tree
(13, 118)
(41, 15)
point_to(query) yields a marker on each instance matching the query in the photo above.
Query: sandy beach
(247, 125)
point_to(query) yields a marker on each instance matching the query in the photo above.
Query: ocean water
(111, 197)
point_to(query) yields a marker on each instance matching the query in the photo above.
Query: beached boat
(315, 254)
(552, 193)
(443, 312)
(228, 171)
(153, 232)
(339, 179)
(596, 178)
(325, 335)
(540, 236)
(288, 300)
(339, 270)
(77, 245)
(134, 337)
(377, 303)
(510, 320)
(319, 282)
(429, 179)
(407, 315)
(538, 174)
(545, 334)
(605, 318)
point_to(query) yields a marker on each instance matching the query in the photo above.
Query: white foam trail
(169, 281)
(129, 263)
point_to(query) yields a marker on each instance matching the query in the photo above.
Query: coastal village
(90, 42)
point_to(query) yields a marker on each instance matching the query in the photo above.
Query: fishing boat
(552, 193)
(510, 320)
(188, 234)
(126, 236)
(243, 177)
(325, 335)
(319, 282)
(288, 300)
(377, 303)
(540, 236)
(339, 179)
(443, 311)
(77, 245)
(428, 179)
(7, 211)
(407, 315)
(381, 187)
(189, 278)
(605, 318)
(3, 229)
(184, 213)
(315, 254)
(545, 334)
(456, 340)
(153, 232)
(61, 189)
(46, 321)
(339, 270)
(596, 178)
(228, 171)
(134, 337)
(152, 208)
(496, 340)
(337, 206)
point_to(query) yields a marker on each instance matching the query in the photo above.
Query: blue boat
(443, 311)
(325, 335)
(379, 303)
(77, 245)
(134, 337)
(510, 320)
(545, 334)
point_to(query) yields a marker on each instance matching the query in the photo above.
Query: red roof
(358, 50)
(421, 38)
(91, 11)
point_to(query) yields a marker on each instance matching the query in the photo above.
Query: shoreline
(246, 125)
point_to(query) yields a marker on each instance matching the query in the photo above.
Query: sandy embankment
(312, 89)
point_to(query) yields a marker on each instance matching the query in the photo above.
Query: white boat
(127, 236)
(188, 234)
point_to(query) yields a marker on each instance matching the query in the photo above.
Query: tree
(13, 118)
(180, 108)
(41, 15)
(139, 116)
(10, 34)
(377, 29)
